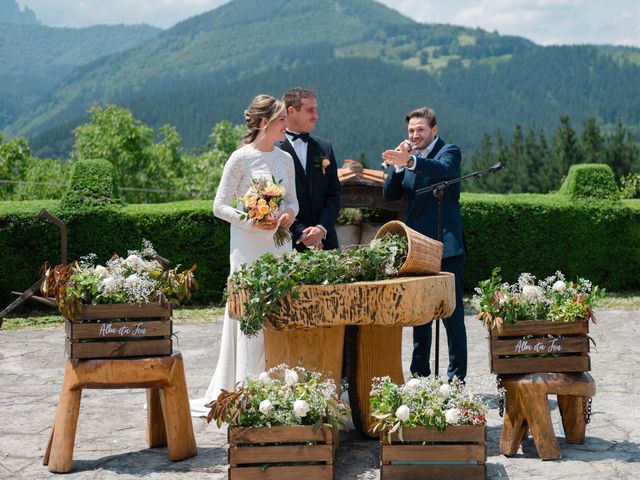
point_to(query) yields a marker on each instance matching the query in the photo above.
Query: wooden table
(317, 319)
(168, 415)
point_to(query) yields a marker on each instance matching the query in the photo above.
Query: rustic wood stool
(527, 407)
(168, 415)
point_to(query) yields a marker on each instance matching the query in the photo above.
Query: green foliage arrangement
(588, 180)
(422, 402)
(272, 277)
(282, 396)
(92, 186)
(552, 299)
(139, 278)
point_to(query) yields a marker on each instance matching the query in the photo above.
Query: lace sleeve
(290, 197)
(227, 192)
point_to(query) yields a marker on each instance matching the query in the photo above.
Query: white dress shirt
(300, 148)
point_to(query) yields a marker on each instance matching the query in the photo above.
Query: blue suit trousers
(454, 326)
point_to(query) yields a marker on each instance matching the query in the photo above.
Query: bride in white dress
(257, 158)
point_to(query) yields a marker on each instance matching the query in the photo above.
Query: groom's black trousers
(454, 325)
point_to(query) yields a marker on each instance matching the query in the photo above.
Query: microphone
(495, 168)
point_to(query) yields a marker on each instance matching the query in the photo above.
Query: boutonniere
(322, 163)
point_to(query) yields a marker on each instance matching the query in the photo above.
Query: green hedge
(590, 180)
(184, 232)
(599, 240)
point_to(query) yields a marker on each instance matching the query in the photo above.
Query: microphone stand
(438, 192)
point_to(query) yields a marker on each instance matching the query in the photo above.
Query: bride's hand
(266, 224)
(287, 218)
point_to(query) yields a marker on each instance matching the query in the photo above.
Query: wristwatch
(411, 162)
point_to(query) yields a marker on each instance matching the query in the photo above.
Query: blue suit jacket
(318, 193)
(442, 163)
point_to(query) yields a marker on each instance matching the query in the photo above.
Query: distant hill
(369, 64)
(10, 13)
(35, 58)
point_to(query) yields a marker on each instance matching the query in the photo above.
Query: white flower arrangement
(139, 278)
(423, 402)
(552, 299)
(282, 396)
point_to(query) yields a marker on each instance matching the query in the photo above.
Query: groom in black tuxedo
(317, 184)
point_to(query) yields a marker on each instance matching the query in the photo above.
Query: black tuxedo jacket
(318, 191)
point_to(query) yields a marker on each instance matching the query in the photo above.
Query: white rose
(559, 286)
(300, 408)
(445, 390)
(290, 377)
(531, 292)
(134, 262)
(265, 407)
(132, 279)
(263, 377)
(452, 416)
(413, 383)
(101, 271)
(108, 284)
(402, 413)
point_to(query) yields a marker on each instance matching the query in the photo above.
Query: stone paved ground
(111, 434)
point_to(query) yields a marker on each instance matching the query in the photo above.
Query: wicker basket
(424, 254)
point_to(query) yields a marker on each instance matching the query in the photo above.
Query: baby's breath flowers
(281, 396)
(422, 402)
(138, 278)
(528, 299)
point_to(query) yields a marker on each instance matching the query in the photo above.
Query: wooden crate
(119, 330)
(526, 347)
(458, 453)
(283, 453)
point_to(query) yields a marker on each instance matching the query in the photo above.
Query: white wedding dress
(240, 355)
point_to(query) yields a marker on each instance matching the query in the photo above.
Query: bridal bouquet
(553, 298)
(261, 202)
(282, 396)
(423, 402)
(137, 278)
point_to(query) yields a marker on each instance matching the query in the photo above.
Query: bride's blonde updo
(263, 106)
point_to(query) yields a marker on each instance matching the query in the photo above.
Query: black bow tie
(302, 136)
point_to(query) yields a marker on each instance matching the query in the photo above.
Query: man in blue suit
(421, 161)
(317, 184)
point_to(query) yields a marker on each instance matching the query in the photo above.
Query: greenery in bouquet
(139, 278)
(282, 396)
(273, 277)
(553, 298)
(422, 402)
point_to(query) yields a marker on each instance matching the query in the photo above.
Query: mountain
(369, 64)
(10, 13)
(35, 58)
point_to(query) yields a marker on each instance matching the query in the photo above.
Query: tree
(15, 156)
(205, 170)
(113, 134)
(565, 150)
(591, 142)
(622, 152)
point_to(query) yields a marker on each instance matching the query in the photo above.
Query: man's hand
(400, 156)
(312, 237)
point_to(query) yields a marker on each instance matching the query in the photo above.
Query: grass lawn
(194, 314)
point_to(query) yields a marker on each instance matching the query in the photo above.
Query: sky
(546, 22)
